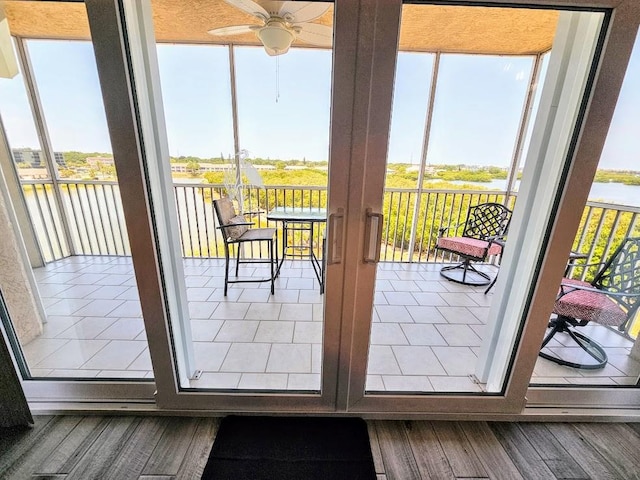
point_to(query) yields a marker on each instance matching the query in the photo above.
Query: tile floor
(425, 336)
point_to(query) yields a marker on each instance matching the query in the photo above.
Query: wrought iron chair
(611, 299)
(482, 236)
(236, 231)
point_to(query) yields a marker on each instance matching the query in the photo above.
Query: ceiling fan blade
(316, 34)
(303, 11)
(233, 30)
(250, 7)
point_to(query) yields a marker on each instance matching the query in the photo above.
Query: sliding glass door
(363, 140)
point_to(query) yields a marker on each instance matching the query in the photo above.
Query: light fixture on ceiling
(281, 24)
(275, 37)
(8, 62)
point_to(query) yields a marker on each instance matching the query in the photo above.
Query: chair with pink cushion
(484, 229)
(611, 299)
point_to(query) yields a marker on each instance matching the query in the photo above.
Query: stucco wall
(15, 284)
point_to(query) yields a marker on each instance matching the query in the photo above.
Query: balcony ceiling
(425, 28)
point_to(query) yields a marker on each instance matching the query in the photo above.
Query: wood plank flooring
(164, 448)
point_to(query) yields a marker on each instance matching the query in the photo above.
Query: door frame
(364, 37)
(553, 239)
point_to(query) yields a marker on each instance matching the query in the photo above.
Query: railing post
(527, 109)
(423, 157)
(18, 201)
(43, 136)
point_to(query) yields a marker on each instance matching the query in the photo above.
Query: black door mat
(282, 448)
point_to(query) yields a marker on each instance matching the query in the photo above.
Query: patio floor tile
(459, 335)
(87, 328)
(429, 299)
(230, 311)
(308, 332)
(237, 331)
(107, 292)
(102, 308)
(400, 298)
(422, 334)
(57, 324)
(128, 308)
(382, 361)
(205, 330)
(405, 285)
(415, 360)
(290, 358)
(143, 362)
(387, 334)
(209, 356)
(296, 312)
(274, 332)
(116, 280)
(246, 357)
(116, 355)
(52, 289)
(38, 349)
(199, 294)
(456, 360)
(67, 306)
(254, 295)
(426, 314)
(73, 355)
(458, 315)
(393, 314)
(201, 310)
(426, 331)
(458, 299)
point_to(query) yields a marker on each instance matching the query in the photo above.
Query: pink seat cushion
(591, 306)
(470, 247)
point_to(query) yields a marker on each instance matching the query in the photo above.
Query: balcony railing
(91, 221)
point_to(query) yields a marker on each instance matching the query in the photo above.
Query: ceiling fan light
(276, 38)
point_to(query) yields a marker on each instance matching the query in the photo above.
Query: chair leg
(226, 269)
(590, 346)
(271, 258)
(238, 248)
(468, 275)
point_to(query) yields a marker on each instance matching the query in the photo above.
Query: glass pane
(611, 215)
(440, 254)
(254, 128)
(91, 325)
(476, 122)
(21, 130)
(408, 117)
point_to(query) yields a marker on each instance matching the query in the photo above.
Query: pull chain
(277, 78)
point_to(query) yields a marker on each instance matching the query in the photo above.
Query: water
(617, 193)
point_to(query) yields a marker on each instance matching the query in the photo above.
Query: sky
(284, 104)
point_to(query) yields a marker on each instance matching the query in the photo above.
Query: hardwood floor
(163, 448)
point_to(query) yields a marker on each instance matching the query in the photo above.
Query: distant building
(34, 157)
(95, 162)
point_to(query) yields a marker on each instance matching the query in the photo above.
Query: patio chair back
(621, 274)
(487, 220)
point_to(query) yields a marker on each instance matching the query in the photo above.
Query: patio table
(300, 219)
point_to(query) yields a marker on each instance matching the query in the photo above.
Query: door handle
(334, 237)
(372, 236)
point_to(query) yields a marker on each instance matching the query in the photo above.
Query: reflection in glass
(610, 216)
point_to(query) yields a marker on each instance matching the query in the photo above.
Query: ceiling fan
(282, 23)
